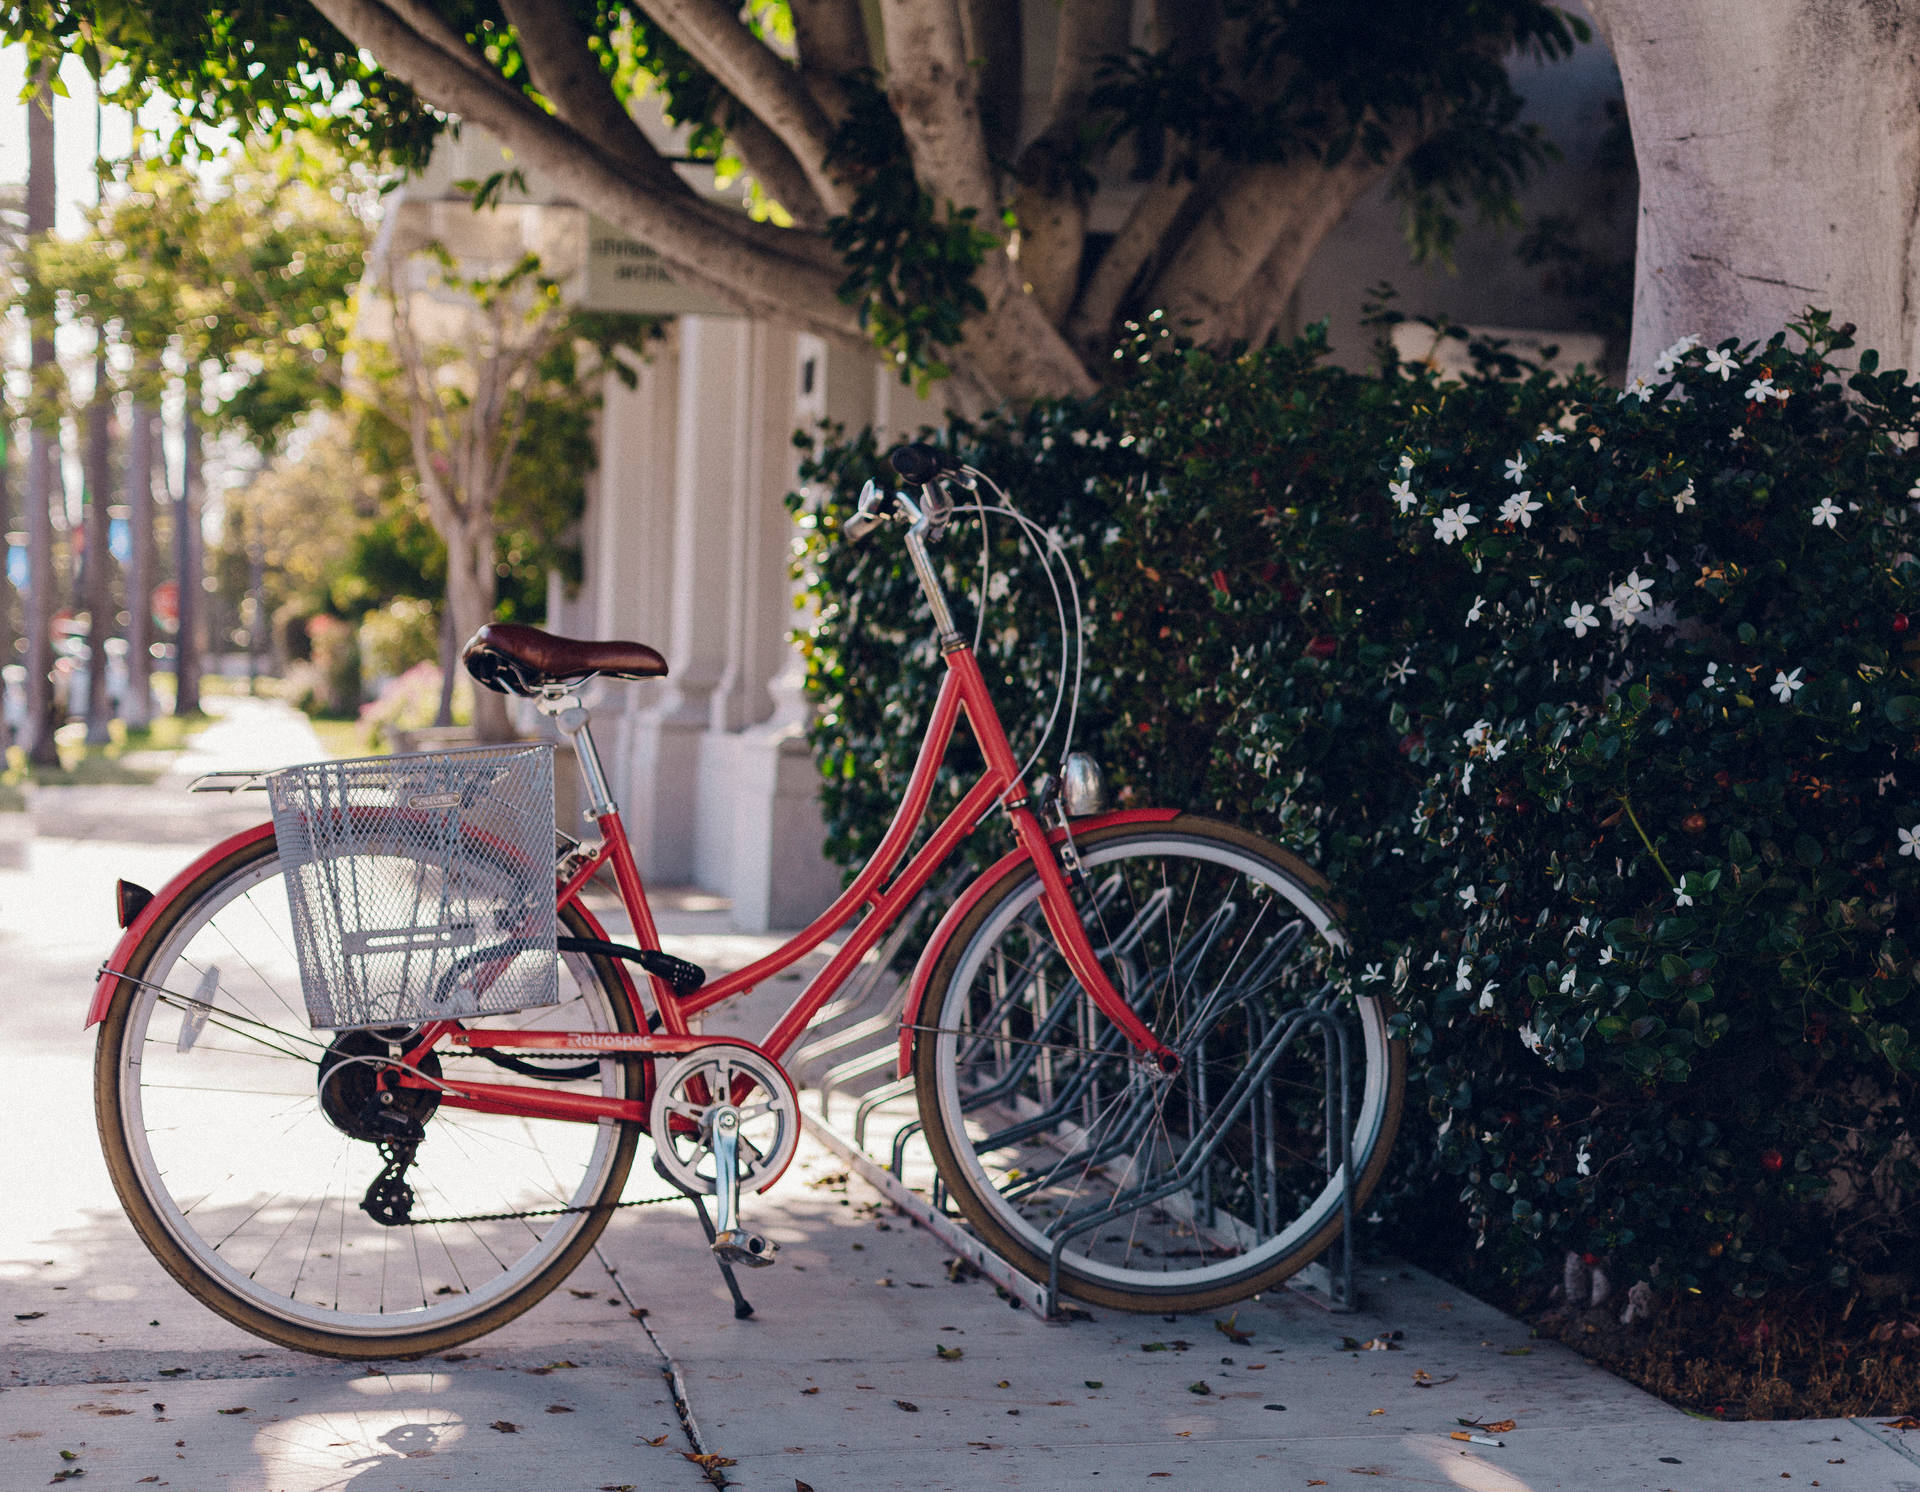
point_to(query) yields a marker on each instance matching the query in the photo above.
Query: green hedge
(1591, 705)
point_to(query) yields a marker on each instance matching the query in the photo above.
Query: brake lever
(869, 515)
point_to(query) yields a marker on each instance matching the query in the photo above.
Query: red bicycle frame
(963, 689)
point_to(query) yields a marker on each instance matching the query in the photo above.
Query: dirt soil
(1773, 1358)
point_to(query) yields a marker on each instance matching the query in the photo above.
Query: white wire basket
(421, 886)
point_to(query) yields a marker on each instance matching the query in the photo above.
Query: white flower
(1402, 494)
(1462, 975)
(1638, 389)
(1583, 1159)
(1581, 619)
(1406, 463)
(1495, 750)
(1786, 685)
(1519, 509)
(1684, 499)
(1736, 435)
(1759, 391)
(1826, 511)
(1721, 363)
(1452, 523)
(1373, 974)
(1665, 363)
(1101, 441)
(1473, 611)
(1529, 1038)
(1634, 592)
(1566, 979)
(998, 586)
(1476, 733)
(1398, 672)
(1516, 469)
(1910, 841)
(1079, 437)
(1713, 680)
(1466, 778)
(1606, 955)
(1549, 436)
(1468, 896)
(1486, 995)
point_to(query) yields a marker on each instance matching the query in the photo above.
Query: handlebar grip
(860, 525)
(920, 463)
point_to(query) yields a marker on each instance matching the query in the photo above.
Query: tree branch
(760, 80)
(1264, 225)
(1127, 257)
(933, 93)
(1051, 203)
(996, 51)
(831, 38)
(762, 269)
(771, 163)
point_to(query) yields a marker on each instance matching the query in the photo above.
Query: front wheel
(1177, 1192)
(239, 1142)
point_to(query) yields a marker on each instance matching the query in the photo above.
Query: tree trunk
(186, 549)
(1779, 146)
(42, 446)
(470, 597)
(450, 642)
(98, 580)
(138, 705)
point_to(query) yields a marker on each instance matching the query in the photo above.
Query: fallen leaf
(1314, 1481)
(949, 1354)
(1003, 1383)
(1422, 1379)
(237, 1409)
(1281, 1407)
(28, 1315)
(455, 1356)
(655, 1439)
(1372, 1412)
(1154, 1347)
(558, 1409)
(814, 1390)
(505, 1427)
(618, 1487)
(69, 1455)
(708, 1460)
(1905, 1422)
(1096, 1383)
(1498, 1427)
(1199, 1388)
(1516, 1352)
(68, 1474)
(907, 1404)
(105, 1413)
(171, 1372)
(1231, 1331)
(1387, 1341)
(153, 1478)
(800, 1486)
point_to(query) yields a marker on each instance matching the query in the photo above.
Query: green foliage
(1642, 903)
(909, 266)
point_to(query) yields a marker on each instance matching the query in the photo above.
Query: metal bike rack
(843, 1127)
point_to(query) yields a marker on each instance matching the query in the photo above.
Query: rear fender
(165, 898)
(154, 910)
(970, 898)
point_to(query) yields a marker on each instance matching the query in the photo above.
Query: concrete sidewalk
(836, 1381)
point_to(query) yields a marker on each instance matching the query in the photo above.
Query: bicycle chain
(508, 1217)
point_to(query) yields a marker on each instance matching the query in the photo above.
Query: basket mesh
(421, 887)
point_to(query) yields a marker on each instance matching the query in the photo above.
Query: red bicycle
(1118, 1034)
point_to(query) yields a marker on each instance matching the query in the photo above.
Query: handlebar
(921, 463)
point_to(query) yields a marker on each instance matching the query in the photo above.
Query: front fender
(970, 898)
(152, 912)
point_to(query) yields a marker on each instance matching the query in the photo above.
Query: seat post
(564, 707)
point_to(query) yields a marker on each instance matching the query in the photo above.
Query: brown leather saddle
(513, 659)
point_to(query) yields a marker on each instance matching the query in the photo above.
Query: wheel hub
(353, 1098)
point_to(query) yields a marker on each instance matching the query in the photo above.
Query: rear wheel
(1170, 1192)
(240, 1141)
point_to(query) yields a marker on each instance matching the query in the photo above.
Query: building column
(711, 402)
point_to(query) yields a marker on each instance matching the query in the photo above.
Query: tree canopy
(987, 187)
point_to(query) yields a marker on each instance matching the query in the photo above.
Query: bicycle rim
(250, 1193)
(1178, 1191)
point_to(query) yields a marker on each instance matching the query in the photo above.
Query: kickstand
(741, 1309)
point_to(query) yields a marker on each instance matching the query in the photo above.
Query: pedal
(738, 1246)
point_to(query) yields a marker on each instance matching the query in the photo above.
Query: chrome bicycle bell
(1085, 789)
